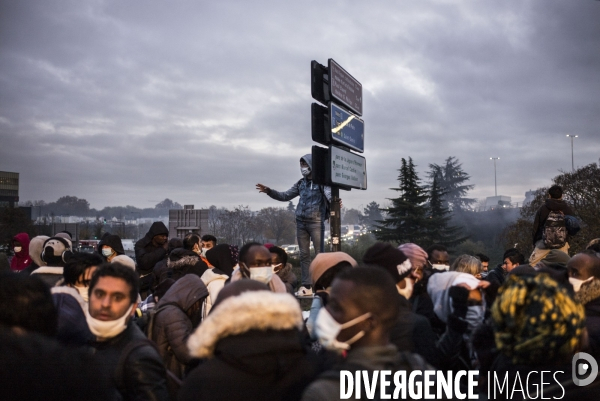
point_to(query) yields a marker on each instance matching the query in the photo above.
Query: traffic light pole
(335, 221)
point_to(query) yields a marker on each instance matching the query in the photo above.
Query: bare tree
(277, 223)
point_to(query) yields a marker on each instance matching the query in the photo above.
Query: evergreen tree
(439, 230)
(452, 181)
(407, 217)
(371, 215)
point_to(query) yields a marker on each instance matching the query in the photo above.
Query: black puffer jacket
(146, 254)
(172, 326)
(143, 374)
(554, 205)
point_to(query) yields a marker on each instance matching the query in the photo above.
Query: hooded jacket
(589, 296)
(72, 326)
(146, 254)
(173, 326)
(314, 198)
(224, 257)
(181, 262)
(254, 351)
(551, 205)
(21, 259)
(114, 241)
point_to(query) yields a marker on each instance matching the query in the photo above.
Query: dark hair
(435, 247)
(174, 243)
(26, 302)
(328, 275)
(118, 270)
(208, 237)
(375, 292)
(555, 192)
(595, 268)
(514, 256)
(190, 240)
(244, 251)
(281, 253)
(77, 264)
(595, 246)
(482, 257)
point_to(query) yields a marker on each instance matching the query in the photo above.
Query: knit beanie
(416, 254)
(556, 259)
(54, 250)
(391, 259)
(535, 320)
(326, 260)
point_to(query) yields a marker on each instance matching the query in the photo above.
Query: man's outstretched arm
(280, 196)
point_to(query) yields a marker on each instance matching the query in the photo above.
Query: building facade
(9, 189)
(188, 220)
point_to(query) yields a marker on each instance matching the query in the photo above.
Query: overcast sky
(130, 102)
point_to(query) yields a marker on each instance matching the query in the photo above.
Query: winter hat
(325, 261)
(55, 250)
(416, 254)
(535, 320)
(124, 260)
(391, 259)
(36, 246)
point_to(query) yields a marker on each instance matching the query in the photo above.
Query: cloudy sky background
(130, 102)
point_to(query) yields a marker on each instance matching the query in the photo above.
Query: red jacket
(21, 259)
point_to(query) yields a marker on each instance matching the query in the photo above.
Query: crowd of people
(192, 319)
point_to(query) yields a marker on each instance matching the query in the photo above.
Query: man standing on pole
(311, 213)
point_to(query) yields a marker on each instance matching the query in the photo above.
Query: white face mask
(84, 292)
(18, 249)
(440, 267)
(276, 268)
(262, 274)
(327, 329)
(107, 329)
(576, 283)
(203, 252)
(107, 252)
(305, 171)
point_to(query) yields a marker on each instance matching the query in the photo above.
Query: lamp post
(572, 160)
(495, 182)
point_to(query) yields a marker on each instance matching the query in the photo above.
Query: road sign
(337, 126)
(347, 169)
(346, 128)
(345, 88)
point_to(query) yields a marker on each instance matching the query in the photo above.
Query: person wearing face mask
(281, 267)
(124, 351)
(186, 260)
(110, 246)
(311, 214)
(363, 307)
(208, 242)
(71, 298)
(412, 332)
(255, 264)
(459, 302)
(584, 276)
(21, 260)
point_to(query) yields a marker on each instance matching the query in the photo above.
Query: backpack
(554, 235)
(149, 320)
(572, 223)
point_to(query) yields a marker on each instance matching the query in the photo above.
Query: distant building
(9, 189)
(188, 220)
(492, 202)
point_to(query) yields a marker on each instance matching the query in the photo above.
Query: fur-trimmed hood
(180, 258)
(252, 310)
(588, 292)
(63, 289)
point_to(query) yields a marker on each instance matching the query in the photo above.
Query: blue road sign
(346, 128)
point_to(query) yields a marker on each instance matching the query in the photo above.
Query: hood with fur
(252, 310)
(180, 258)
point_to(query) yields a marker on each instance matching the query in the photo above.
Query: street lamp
(572, 161)
(495, 182)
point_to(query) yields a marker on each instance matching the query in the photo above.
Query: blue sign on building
(346, 128)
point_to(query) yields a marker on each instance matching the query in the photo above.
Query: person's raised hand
(262, 188)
